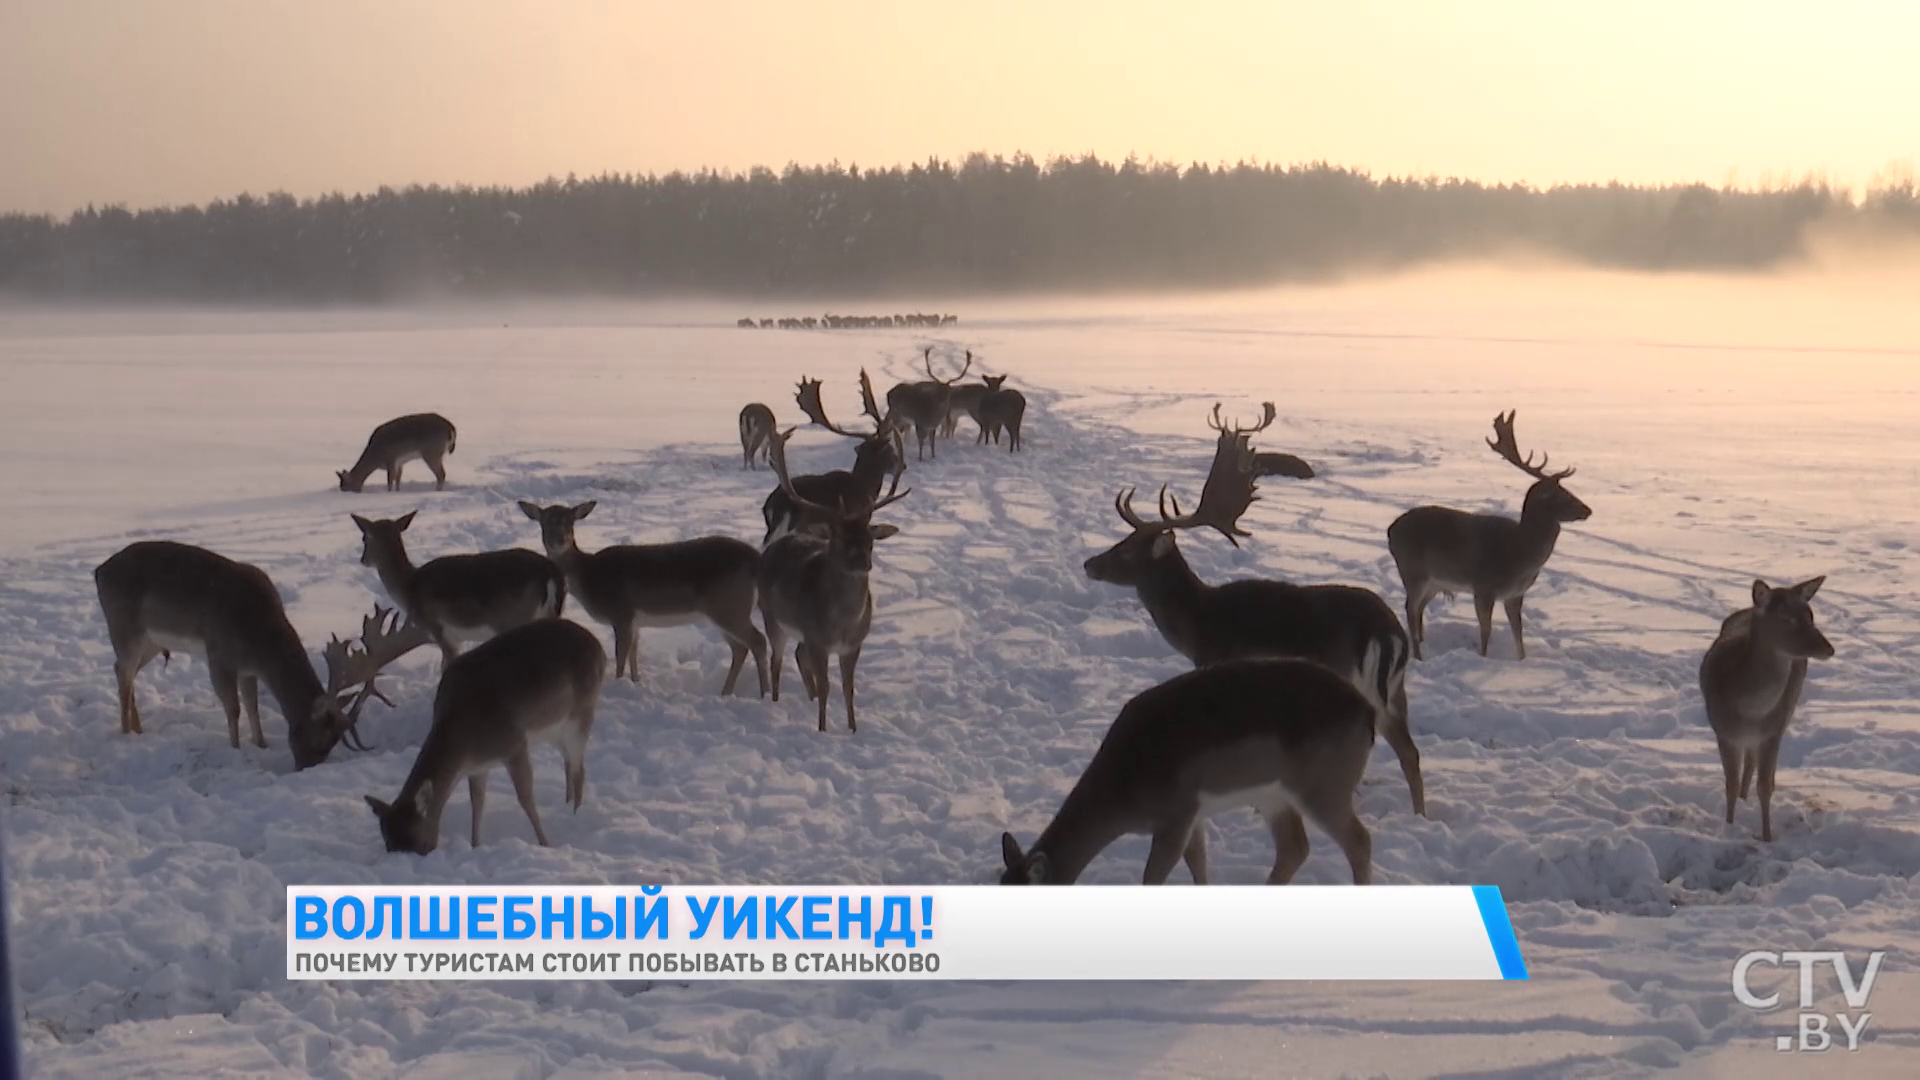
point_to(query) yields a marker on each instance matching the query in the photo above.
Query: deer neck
(1174, 596)
(437, 768)
(1077, 833)
(571, 560)
(363, 468)
(290, 680)
(1539, 532)
(396, 572)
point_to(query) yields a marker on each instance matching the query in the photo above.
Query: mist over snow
(1723, 429)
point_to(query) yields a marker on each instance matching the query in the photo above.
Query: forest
(984, 225)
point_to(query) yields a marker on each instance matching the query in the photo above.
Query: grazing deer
(756, 423)
(878, 455)
(1001, 410)
(1751, 679)
(427, 436)
(629, 586)
(923, 404)
(538, 682)
(1439, 549)
(159, 597)
(1350, 630)
(815, 583)
(1286, 737)
(462, 598)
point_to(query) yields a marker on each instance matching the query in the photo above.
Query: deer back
(409, 435)
(488, 588)
(681, 578)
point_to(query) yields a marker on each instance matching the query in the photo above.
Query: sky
(147, 102)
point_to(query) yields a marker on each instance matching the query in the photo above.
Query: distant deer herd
(1290, 685)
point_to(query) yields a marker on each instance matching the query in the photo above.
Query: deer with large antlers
(924, 404)
(815, 584)
(159, 597)
(877, 456)
(1439, 549)
(1350, 630)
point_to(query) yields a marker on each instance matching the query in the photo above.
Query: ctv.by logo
(1812, 1034)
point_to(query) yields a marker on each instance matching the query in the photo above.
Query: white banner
(1249, 932)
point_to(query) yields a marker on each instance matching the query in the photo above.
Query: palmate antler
(1504, 445)
(808, 398)
(383, 639)
(1226, 495)
(777, 457)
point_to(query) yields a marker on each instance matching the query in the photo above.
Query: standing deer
(629, 586)
(1751, 678)
(1439, 549)
(756, 423)
(538, 682)
(427, 436)
(1001, 411)
(159, 597)
(964, 401)
(815, 583)
(1349, 630)
(462, 598)
(1286, 737)
(923, 404)
(878, 455)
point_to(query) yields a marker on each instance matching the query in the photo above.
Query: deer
(878, 455)
(756, 423)
(538, 682)
(815, 582)
(461, 598)
(1287, 737)
(1270, 463)
(1438, 549)
(427, 436)
(924, 405)
(964, 401)
(1001, 411)
(628, 586)
(161, 596)
(1751, 678)
(1350, 630)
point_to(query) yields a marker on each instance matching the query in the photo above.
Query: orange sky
(160, 101)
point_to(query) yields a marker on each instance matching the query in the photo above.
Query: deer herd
(1290, 686)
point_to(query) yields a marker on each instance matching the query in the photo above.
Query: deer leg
(439, 472)
(1341, 823)
(250, 701)
(776, 650)
(477, 799)
(847, 662)
(803, 660)
(1289, 844)
(1730, 759)
(1748, 761)
(125, 669)
(520, 771)
(1483, 610)
(1769, 761)
(1169, 844)
(1197, 853)
(626, 645)
(573, 753)
(226, 687)
(1417, 598)
(1513, 620)
(819, 659)
(1400, 737)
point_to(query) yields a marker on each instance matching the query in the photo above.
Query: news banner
(1255, 932)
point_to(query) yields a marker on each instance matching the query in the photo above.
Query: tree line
(985, 224)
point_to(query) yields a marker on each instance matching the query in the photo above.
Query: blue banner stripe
(1506, 947)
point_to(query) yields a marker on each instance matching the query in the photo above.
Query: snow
(1722, 429)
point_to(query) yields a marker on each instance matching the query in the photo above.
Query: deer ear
(402, 523)
(1010, 850)
(380, 809)
(365, 525)
(1807, 588)
(1761, 590)
(881, 532)
(584, 509)
(530, 510)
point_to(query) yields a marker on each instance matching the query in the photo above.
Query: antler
(383, 639)
(1226, 495)
(867, 403)
(777, 457)
(926, 358)
(1266, 420)
(1503, 444)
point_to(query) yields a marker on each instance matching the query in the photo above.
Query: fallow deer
(1751, 679)
(816, 583)
(462, 598)
(628, 586)
(161, 597)
(1350, 630)
(538, 682)
(427, 436)
(1439, 549)
(756, 423)
(923, 404)
(1001, 410)
(1271, 463)
(1286, 737)
(878, 456)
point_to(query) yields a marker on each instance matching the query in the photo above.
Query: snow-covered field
(1722, 430)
